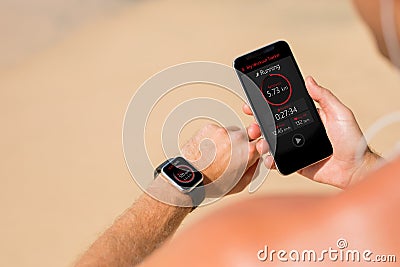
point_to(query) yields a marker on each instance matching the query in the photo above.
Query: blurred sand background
(69, 68)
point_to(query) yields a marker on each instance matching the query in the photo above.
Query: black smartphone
(298, 135)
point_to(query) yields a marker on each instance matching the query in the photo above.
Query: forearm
(136, 233)
(148, 223)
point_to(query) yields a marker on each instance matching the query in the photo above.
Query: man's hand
(343, 167)
(227, 155)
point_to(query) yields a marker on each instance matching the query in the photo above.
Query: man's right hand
(343, 168)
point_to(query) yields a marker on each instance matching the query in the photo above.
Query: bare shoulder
(363, 216)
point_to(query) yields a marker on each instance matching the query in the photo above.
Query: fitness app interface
(294, 113)
(183, 173)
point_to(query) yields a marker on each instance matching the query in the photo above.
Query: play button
(298, 140)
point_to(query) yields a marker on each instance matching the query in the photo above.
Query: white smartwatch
(184, 177)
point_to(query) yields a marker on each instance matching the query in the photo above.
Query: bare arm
(138, 231)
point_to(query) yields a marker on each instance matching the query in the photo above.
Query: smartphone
(287, 115)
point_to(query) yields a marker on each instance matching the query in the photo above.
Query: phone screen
(301, 139)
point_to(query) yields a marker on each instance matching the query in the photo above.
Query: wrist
(370, 160)
(165, 192)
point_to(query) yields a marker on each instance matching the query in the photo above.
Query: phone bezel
(256, 56)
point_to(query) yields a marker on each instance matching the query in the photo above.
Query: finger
(247, 110)
(253, 131)
(262, 146)
(269, 162)
(329, 103)
(253, 154)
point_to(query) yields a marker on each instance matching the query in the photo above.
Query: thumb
(328, 102)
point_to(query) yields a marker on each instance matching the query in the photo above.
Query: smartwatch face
(182, 174)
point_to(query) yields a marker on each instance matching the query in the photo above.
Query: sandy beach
(65, 89)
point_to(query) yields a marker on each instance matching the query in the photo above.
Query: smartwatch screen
(182, 173)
